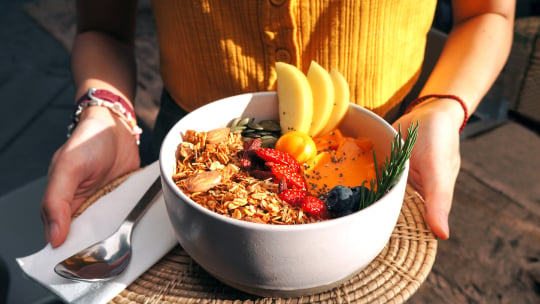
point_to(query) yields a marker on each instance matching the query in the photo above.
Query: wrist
(100, 120)
(112, 103)
(451, 105)
(101, 115)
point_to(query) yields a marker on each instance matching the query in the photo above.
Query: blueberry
(340, 201)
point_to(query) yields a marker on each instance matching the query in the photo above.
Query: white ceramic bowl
(275, 260)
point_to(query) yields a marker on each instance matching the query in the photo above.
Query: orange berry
(299, 144)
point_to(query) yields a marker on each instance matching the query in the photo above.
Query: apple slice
(322, 89)
(341, 101)
(295, 100)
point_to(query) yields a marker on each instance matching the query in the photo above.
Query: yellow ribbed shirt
(212, 49)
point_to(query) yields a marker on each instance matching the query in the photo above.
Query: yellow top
(212, 49)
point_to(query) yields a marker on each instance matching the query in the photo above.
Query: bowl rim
(264, 226)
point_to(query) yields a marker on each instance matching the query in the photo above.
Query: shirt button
(277, 2)
(283, 55)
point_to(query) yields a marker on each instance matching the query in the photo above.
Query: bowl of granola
(234, 223)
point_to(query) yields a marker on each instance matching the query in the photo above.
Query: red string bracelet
(447, 96)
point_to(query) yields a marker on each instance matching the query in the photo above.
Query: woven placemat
(393, 277)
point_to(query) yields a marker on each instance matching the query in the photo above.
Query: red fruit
(293, 196)
(278, 157)
(315, 206)
(245, 163)
(293, 178)
(247, 160)
(252, 145)
(261, 174)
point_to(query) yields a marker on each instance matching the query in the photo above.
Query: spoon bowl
(102, 261)
(108, 258)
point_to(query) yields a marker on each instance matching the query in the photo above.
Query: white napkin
(153, 237)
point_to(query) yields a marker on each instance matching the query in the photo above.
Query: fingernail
(444, 224)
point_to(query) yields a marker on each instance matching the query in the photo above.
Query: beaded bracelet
(111, 101)
(446, 96)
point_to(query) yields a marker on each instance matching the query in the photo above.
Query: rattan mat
(393, 277)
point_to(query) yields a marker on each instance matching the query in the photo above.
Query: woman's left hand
(435, 159)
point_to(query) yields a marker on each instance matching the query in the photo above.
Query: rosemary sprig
(392, 167)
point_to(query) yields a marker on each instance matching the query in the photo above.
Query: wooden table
(493, 254)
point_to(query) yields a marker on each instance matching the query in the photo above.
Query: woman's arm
(103, 50)
(473, 56)
(102, 146)
(475, 52)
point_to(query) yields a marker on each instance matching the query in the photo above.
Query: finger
(437, 209)
(56, 208)
(438, 193)
(437, 203)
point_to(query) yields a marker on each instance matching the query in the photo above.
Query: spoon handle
(144, 203)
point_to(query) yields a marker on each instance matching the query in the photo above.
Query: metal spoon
(108, 258)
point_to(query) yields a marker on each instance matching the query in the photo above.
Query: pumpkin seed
(255, 126)
(234, 122)
(270, 125)
(238, 129)
(268, 130)
(247, 130)
(268, 141)
(251, 135)
(244, 121)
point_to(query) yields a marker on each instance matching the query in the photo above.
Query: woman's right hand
(100, 149)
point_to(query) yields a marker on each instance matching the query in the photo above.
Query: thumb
(438, 202)
(56, 207)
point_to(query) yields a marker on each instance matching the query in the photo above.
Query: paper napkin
(153, 237)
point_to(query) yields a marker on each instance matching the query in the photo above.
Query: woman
(213, 49)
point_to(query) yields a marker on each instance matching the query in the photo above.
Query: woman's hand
(474, 53)
(435, 159)
(100, 149)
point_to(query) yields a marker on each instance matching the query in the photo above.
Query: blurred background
(493, 255)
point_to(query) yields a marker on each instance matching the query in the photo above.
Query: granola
(234, 193)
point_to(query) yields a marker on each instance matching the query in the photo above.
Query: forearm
(103, 62)
(474, 54)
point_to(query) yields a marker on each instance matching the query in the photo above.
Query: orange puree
(340, 161)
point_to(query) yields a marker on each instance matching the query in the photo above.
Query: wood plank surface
(493, 254)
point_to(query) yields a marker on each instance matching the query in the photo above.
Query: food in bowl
(232, 176)
(279, 260)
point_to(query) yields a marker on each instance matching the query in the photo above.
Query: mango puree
(340, 160)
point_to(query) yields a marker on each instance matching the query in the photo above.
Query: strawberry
(278, 157)
(315, 206)
(293, 196)
(293, 178)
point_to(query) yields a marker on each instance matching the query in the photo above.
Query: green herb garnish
(393, 166)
